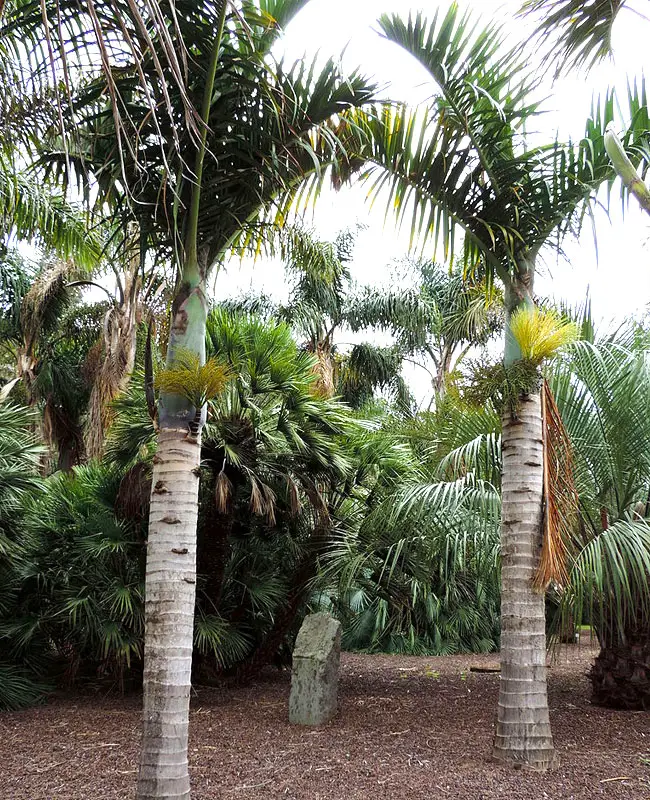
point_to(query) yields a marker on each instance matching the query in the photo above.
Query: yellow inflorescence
(541, 333)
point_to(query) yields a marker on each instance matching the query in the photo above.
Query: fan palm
(464, 165)
(238, 131)
(20, 455)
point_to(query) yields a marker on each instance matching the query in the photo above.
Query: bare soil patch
(408, 728)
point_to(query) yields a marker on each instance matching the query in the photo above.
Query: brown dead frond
(318, 504)
(262, 502)
(294, 496)
(324, 385)
(222, 493)
(560, 497)
(43, 301)
(132, 501)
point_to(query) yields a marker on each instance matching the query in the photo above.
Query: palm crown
(268, 125)
(466, 163)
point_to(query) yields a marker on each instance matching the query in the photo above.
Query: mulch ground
(407, 728)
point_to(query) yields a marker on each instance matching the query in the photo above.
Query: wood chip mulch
(407, 728)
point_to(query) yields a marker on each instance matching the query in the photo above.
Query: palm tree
(216, 132)
(47, 336)
(601, 388)
(464, 165)
(323, 303)
(275, 456)
(20, 454)
(433, 322)
(419, 572)
(602, 394)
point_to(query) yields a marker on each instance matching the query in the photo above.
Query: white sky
(618, 279)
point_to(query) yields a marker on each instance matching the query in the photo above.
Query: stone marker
(315, 672)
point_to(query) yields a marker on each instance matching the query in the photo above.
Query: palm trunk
(170, 588)
(620, 676)
(442, 374)
(171, 555)
(169, 615)
(523, 734)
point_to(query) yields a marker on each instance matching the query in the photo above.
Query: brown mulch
(407, 728)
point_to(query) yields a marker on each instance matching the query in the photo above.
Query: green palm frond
(272, 131)
(30, 210)
(578, 31)
(463, 165)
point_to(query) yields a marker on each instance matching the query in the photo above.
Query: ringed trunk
(170, 586)
(523, 733)
(169, 617)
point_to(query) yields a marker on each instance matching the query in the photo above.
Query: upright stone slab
(315, 673)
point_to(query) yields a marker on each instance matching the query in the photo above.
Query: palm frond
(579, 32)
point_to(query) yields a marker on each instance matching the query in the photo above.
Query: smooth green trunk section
(626, 171)
(195, 204)
(186, 335)
(518, 293)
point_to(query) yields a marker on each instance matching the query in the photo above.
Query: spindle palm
(465, 166)
(184, 117)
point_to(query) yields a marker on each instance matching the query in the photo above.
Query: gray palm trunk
(170, 588)
(523, 734)
(169, 617)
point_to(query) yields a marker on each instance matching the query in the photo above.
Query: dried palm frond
(132, 500)
(324, 385)
(117, 349)
(262, 502)
(294, 496)
(45, 300)
(222, 492)
(257, 498)
(540, 333)
(560, 497)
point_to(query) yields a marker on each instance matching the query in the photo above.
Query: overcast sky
(618, 279)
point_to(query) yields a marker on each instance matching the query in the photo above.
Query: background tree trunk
(523, 734)
(169, 615)
(620, 676)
